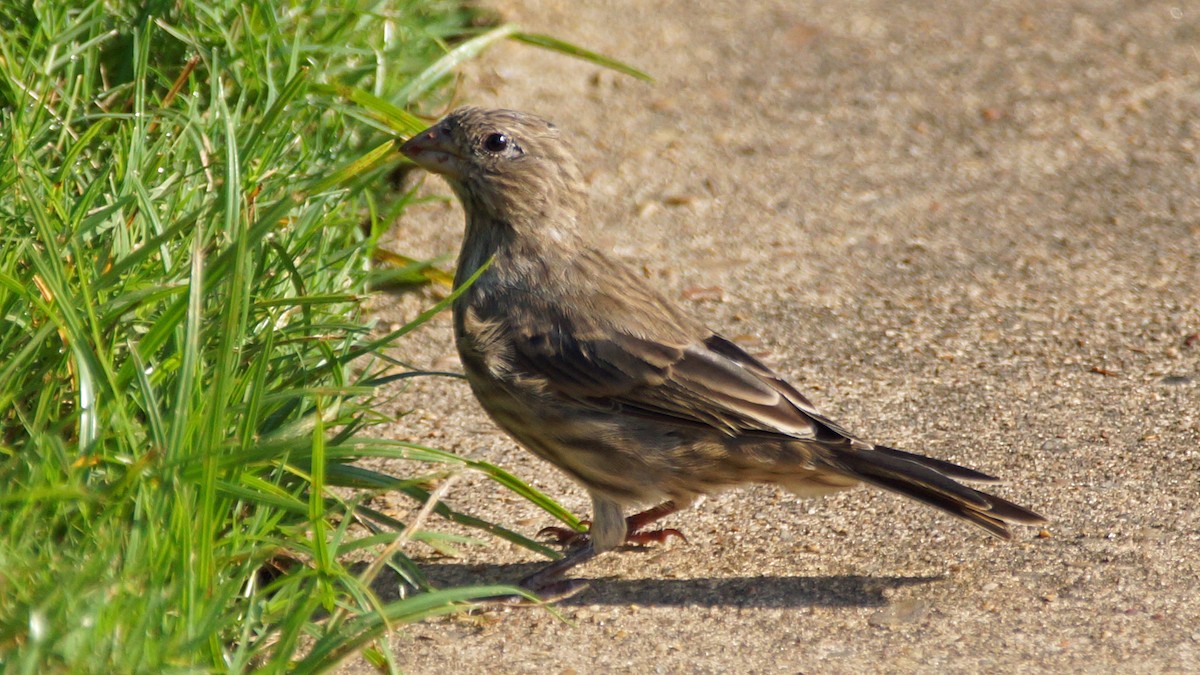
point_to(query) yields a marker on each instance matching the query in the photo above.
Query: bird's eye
(496, 143)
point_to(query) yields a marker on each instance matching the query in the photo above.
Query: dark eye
(496, 143)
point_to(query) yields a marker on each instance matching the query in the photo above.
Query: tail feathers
(932, 482)
(941, 466)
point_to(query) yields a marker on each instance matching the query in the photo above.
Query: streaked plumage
(587, 366)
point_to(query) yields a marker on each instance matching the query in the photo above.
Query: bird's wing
(710, 382)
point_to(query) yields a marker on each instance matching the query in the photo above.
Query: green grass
(190, 199)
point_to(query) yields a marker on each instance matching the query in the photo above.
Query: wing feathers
(689, 383)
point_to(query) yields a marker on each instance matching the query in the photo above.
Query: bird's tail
(933, 482)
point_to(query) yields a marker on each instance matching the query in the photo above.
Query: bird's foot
(548, 584)
(565, 536)
(654, 536)
(634, 529)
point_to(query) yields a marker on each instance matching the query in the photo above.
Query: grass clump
(184, 367)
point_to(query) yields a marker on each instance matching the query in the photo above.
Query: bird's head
(506, 166)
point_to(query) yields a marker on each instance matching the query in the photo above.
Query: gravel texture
(970, 230)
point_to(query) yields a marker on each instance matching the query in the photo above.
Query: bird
(583, 363)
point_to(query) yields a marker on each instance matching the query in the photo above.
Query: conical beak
(434, 151)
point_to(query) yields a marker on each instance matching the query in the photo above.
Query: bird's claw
(654, 536)
(565, 536)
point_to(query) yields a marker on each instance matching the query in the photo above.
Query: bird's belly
(586, 449)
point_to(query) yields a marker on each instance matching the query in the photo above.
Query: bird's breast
(484, 345)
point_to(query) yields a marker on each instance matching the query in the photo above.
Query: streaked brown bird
(588, 367)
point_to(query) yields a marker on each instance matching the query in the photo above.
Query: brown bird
(584, 364)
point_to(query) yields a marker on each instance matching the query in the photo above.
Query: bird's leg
(605, 534)
(633, 528)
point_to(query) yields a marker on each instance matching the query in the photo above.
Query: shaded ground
(970, 230)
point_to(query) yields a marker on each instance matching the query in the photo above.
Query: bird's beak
(433, 150)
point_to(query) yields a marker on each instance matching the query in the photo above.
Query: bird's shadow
(746, 591)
